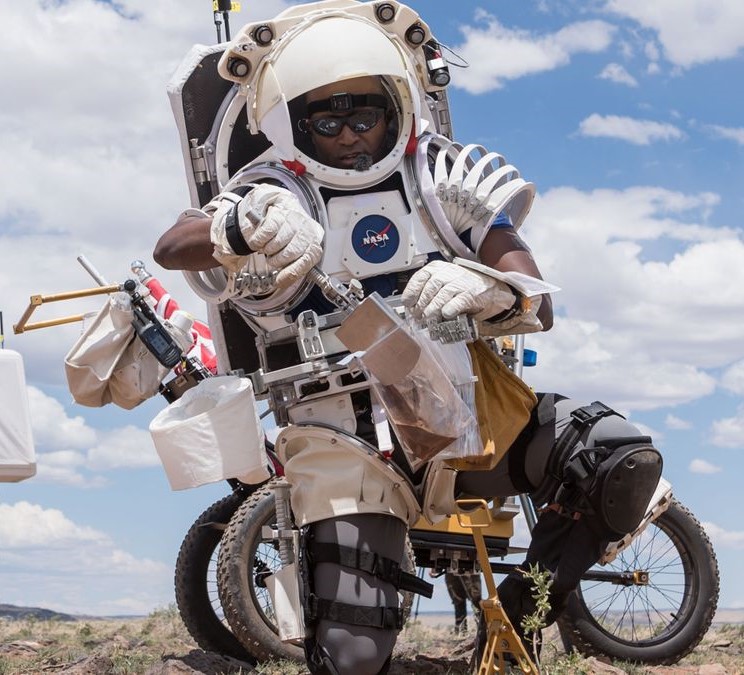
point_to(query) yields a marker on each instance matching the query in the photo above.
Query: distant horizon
(430, 612)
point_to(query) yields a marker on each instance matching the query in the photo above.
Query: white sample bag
(94, 357)
(212, 433)
(109, 363)
(17, 457)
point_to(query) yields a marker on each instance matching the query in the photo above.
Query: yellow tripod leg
(502, 638)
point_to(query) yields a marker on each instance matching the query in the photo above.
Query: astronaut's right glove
(268, 220)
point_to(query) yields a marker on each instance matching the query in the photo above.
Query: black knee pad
(625, 483)
(611, 486)
(604, 469)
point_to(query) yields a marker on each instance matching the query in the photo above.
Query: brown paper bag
(503, 402)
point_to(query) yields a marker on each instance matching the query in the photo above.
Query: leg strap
(372, 617)
(582, 418)
(366, 561)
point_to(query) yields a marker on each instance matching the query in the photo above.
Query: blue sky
(627, 116)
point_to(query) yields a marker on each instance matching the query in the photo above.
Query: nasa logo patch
(375, 239)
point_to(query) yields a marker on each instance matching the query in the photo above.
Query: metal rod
(84, 293)
(51, 322)
(37, 300)
(519, 353)
(90, 269)
(530, 515)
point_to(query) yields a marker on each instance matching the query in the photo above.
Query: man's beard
(363, 161)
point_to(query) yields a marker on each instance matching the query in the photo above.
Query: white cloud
(729, 431)
(68, 450)
(690, 31)
(497, 53)
(63, 475)
(48, 560)
(735, 134)
(676, 423)
(614, 72)
(125, 447)
(733, 378)
(724, 538)
(638, 132)
(24, 525)
(53, 429)
(618, 294)
(701, 466)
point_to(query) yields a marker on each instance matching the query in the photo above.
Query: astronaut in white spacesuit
(349, 121)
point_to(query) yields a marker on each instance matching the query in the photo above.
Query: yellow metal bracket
(502, 638)
(37, 300)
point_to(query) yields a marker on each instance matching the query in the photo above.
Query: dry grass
(160, 645)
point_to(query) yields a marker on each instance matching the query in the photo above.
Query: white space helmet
(317, 44)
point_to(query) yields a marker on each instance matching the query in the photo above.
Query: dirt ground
(160, 645)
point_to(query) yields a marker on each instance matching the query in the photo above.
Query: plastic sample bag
(423, 406)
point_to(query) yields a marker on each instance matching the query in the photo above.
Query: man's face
(348, 149)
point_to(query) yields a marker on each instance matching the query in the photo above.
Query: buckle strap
(591, 412)
(373, 617)
(372, 563)
(581, 419)
(583, 463)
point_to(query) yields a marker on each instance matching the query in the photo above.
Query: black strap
(347, 102)
(234, 235)
(232, 225)
(372, 563)
(582, 418)
(373, 617)
(517, 309)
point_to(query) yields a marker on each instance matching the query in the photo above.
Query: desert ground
(160, 645)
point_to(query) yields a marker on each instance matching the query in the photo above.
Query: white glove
(443, 289)
(273, 223)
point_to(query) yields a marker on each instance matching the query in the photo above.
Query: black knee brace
(351, 567)
(611, 479)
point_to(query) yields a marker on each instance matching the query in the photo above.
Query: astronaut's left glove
(445, 290)
(268, 220)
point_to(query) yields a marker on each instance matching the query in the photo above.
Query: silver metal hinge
(199, 162)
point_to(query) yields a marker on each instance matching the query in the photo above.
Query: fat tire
(243, 606)
(192, 583)
(236, 580)
(695, 612)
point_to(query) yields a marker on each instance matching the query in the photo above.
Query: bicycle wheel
(196, 580)
(245, 559)
(654, 603)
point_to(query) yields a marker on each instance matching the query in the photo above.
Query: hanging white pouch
(93, 358)
(138, 374)
(17, 454)
(212, 433)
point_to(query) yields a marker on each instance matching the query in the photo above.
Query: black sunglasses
(359, 122)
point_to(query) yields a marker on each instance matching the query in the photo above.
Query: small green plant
(533, 623)
(568, 664)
